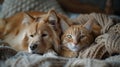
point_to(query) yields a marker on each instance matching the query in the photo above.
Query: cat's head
(78, 37)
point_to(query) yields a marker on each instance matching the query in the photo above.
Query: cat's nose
(33, 46)
(75, 42)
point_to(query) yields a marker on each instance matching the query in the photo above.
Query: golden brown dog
(36, 32)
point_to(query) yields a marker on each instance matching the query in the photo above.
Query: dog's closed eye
(31, 35)
(44, 35)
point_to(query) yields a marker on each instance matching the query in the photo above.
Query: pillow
(11, 7)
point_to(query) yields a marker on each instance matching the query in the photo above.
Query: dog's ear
(52, 17)
(58, 20)
(27, 19)
(53, 20)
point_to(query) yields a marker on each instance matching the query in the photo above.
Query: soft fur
(36, 32)
(78, 37)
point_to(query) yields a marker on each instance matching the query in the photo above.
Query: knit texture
(108, 42)
(6, 52)
(96, 50)
(102, 19)
(113, 40)
(11, 7)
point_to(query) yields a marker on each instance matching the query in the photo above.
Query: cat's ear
(27, 18)
(89, 24)
(65, 22)
(92, 25)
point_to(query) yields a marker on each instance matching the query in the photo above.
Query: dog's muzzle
(33, 46)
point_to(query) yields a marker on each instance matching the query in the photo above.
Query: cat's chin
(73, 47)
(74, 50)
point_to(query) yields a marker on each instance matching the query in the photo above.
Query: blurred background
(87, 6)
(68, 7)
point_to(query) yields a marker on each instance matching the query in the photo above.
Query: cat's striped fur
(78, 37)
(102, 24)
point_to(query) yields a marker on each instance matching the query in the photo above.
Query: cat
(78, 37)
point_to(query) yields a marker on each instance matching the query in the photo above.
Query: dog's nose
(33, 47)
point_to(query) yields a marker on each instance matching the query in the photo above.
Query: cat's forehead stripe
(77, 29)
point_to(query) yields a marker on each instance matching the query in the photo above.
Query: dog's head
(43, 33)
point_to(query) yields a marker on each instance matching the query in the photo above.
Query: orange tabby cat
(78, 37)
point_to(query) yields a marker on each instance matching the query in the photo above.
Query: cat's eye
(31, 35)
(69, 36)
(43, 35)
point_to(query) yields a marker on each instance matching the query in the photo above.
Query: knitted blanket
(23, 59)
(105, 46)
(11, 7)
(108, 42)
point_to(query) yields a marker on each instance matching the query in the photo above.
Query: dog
(34, 32)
